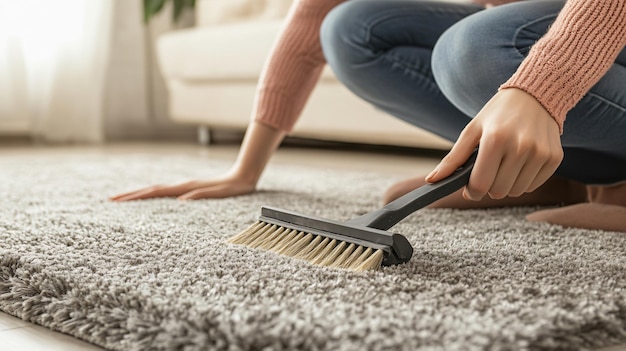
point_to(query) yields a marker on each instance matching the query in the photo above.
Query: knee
(342, 39)
(472, 59)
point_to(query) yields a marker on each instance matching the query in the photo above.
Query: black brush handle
(395, 211)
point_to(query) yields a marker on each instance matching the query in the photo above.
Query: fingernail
(468, 196)
(432, 174)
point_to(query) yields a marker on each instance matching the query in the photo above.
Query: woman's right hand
(227, 186)
(257, 148)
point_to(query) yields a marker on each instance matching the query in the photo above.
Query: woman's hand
(257, 148)
(227, 186)
(520, 148)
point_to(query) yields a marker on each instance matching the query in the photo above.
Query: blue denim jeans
(435, 64)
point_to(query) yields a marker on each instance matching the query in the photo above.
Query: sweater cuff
(275, 109)
(577, 51)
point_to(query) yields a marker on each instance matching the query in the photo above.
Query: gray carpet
(157, 275)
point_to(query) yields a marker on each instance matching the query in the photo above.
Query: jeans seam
(404, 66)
(396, 12)
(525, 25)
(607, 101)
(369, 27)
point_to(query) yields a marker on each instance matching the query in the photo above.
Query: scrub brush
(359, 244)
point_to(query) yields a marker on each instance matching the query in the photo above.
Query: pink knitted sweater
(561, 67)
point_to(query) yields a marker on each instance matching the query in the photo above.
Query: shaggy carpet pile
(157, 275)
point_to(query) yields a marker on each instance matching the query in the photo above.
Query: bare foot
(585, 216)
(606, 210)
(556, 191)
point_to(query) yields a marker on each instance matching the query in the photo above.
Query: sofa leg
(204, 135)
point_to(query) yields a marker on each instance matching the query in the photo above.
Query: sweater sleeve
(577, 51)
(294, 65)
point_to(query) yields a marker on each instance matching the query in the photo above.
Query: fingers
(458, 155)
(119, 196)
(153, 191)
(510, 170)
(520, 170)
(520, 147)
(203, 193)
(540, 165)
(192, 190)
(217, 192)
(129, 194)
(485, 170)
(503, 167)
(537, 166)
(167, 190)
(525, 178)
(508, 174)
(146, 194)
(547, 170)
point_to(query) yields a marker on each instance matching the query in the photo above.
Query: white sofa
(212, 70)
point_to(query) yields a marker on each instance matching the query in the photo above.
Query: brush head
(325, 242)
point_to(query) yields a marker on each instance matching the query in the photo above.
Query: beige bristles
(343, 258)
(269, 240)
(246, 234)
(329, 259)
(288, 240)
(356, 254)
(302, 254)
(267, 233)
(316, 249)
(372, 262)
(323, 253)
(297, 245)
(364, 256)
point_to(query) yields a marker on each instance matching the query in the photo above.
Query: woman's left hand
(520, 148)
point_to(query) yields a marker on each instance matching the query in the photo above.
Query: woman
(469, 75)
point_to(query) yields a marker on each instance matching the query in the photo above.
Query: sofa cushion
(232, 51)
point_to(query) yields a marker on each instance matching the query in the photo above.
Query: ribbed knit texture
(577, 51)
(295, 66)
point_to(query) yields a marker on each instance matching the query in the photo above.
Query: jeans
(435, 64)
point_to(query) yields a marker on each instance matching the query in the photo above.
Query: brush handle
(395, 211)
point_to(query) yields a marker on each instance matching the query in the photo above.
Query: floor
(17, 335)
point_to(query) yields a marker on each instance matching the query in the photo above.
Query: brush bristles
(309, 247)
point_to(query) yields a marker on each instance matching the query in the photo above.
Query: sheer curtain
(53, 60)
